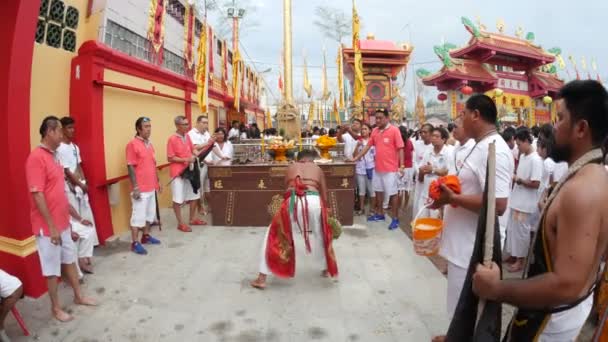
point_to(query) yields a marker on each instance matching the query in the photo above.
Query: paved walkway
(194, 287)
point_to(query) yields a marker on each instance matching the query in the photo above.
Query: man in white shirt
(234, 133)
(478, 121)
(200, 137)
(349, 135)
(524, 200)
(462, 147)
(420, 149)
(84, 236)
(436, 163)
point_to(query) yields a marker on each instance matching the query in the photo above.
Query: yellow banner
(320, 116)
(336, 112)
(268, 119)
(359, 83)
(201, 71)
(236, 79)
(307, 85)
(311, 114)
(420, 111)
(325, 94)
(340, 79)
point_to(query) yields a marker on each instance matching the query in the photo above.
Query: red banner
(188, 40)
(542, 116)
(156, 29)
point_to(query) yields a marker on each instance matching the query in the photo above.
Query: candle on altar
(263, 147)
(300, 141)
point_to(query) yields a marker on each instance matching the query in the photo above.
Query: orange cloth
(451, 181)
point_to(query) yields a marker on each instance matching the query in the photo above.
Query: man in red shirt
(50, 216)
(388, 143)
(141, 164)
(181, 153)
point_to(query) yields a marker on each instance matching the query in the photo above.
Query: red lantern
(466, 90)
(442, 97)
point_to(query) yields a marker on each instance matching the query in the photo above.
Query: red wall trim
(17, 32)
(118, 179)
(121, 62)
(141, 90)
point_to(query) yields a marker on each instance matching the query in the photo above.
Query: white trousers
(316, 240)
(456, 278)
(503, 222)
(518, 234)
(566, 326)
(418, 196)
(80, 202)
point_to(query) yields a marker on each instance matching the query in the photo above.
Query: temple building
(382, 62)
(93, 60)
(516, 72)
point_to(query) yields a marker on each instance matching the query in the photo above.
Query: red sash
(280, 251)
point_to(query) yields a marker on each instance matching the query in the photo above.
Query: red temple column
(18, 254)
(86, 107)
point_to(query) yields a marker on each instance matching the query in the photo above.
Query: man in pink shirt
(141, 164)
(388, 143)
(50, 216)
(182, 154)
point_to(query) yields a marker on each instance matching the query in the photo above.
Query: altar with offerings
(247, 191)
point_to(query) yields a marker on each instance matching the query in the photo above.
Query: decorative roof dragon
(472, 28)
(552, 68)
(443, 52)
(422, 73)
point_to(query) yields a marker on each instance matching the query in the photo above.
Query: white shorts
(204, 179)
(364, 186)
(53, 256)
(8, 284)
(406, 182)
(386, 182)
(144, 209)
(182, 191)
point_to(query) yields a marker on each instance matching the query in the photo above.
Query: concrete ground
(194, 287)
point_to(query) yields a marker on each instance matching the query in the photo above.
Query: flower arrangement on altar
(278, 147)
(324, 143)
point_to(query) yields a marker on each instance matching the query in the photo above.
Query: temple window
(512, 102)
(57, 25)
(129, 42)
(504, 100)
(522, 103)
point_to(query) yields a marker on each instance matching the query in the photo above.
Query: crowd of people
(532, 165)
(550, 199)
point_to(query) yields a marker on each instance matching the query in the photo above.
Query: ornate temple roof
(381, 45)
(505, 45)
(463, 69)
(378, 52)
(549, 81)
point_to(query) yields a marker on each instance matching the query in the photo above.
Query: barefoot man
(50, 216)
(303, 209)
(554, 297)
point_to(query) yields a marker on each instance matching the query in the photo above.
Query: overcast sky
(578, 27)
